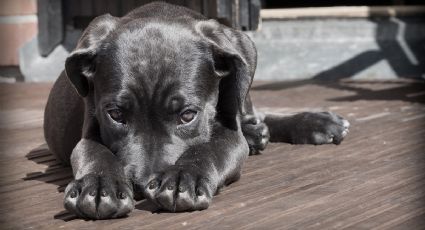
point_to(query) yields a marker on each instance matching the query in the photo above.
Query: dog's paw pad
(345, 124)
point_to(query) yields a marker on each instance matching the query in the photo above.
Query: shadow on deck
(375, 178)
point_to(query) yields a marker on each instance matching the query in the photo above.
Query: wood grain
(374, 180)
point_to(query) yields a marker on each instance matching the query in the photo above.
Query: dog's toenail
(122, 196)
(170, 187)
(104, 194)
(92, 193)
(73, 194)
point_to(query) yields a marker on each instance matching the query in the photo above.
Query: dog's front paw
(98, 197)
(180, 188)
(319, 128)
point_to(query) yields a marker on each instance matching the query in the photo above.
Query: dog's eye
(187, 116)
(116, 115)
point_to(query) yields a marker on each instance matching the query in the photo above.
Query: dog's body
(156, 104)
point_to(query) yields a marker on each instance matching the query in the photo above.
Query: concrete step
(331, 48)
(330, 44)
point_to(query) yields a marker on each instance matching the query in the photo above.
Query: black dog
(155, 104)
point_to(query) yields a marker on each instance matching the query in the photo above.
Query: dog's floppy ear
(234, 60)
(80, 64)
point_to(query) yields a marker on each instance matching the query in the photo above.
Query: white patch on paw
(126, 206)
(72, 201)
(90, 200)
(346, 124)
(184, 200)
(151, 192)
(126, 202)
(264, 132)
(168, 193)
(321, 138)
(202, 199)
(106, 199)
(202, 202)
(263, 141)
(184, 196)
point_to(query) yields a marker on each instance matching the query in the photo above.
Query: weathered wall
(18, 24)
(339, 48)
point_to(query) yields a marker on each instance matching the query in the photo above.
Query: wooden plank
(373, 180)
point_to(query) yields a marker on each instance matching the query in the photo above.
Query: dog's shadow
(55, 173)
(61, 175)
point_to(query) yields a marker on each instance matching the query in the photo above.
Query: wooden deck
(374, 180)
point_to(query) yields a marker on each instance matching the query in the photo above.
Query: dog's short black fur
(155, 104)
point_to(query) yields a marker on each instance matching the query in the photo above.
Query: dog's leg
(307, 128)
(100, 189)
(199, 173)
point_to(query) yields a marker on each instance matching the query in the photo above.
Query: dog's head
(154, 88)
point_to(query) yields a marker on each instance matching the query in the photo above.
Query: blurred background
(296, 40)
